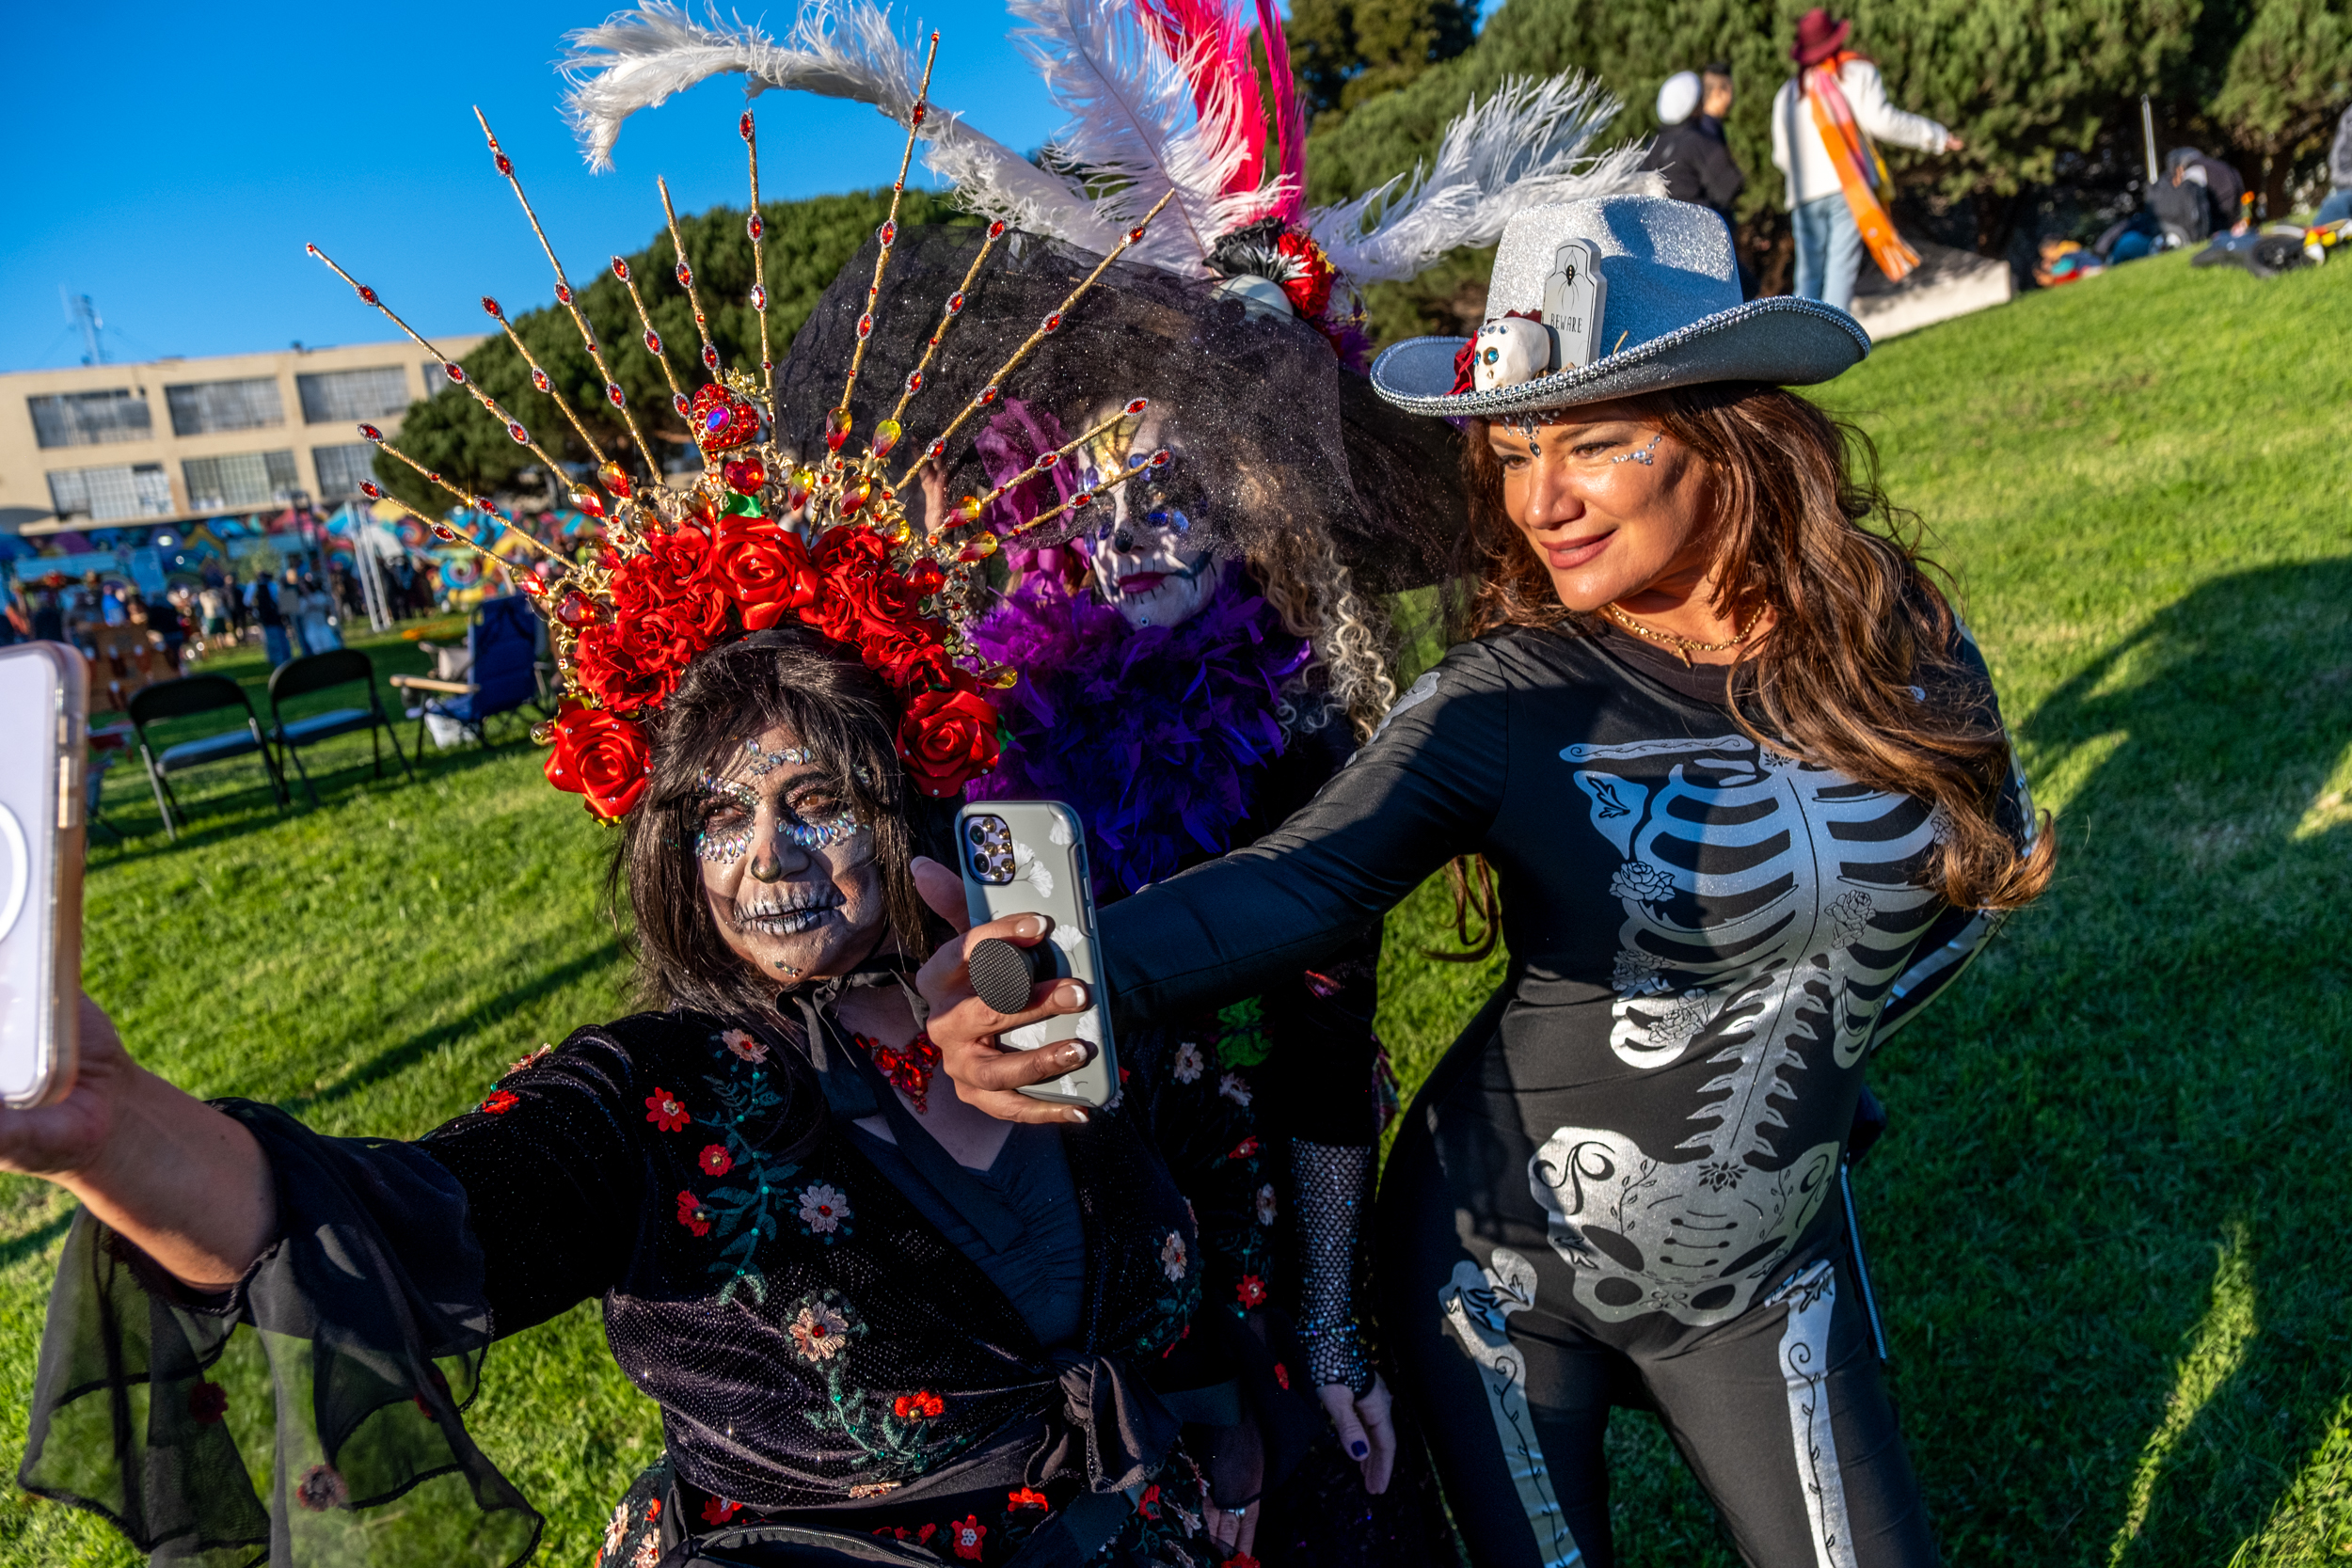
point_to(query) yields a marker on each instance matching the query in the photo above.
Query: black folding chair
(184, 698)
(316, 672)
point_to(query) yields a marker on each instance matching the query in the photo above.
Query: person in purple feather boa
(1185, 696)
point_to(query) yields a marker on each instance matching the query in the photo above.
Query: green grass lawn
(2104, 1223)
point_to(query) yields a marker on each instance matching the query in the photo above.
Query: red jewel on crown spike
(744, 125)
(1082, 498)
(710, 357)
(538, 379)
(864, 327)
(533, 587)
(522, 436)
(371, 433)
(925, 576)
(653, 343)
(759, 296)
(936, 448)
(997, 229)
(434, 478)
(614, 395)
(915, 381)
(887, 234)
(1160, 458)
(678, 400)
(684, 275)
(987, 396)
(455, 372)
(1138, 405)
(620, 268)
(1051, 460)
(445, 533)
(754, 225)
(717, 421)
(587, 503)
(483, 504)
(506, 165)
(955, 303)
(369, 488)
(1051, 324)
(921, 110)
(312, 248)
(836, 428)
(563, 294)
(491, 307)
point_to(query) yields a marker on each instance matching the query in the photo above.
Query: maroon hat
(1817, 37)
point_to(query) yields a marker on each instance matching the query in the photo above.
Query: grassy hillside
(2104, 1224)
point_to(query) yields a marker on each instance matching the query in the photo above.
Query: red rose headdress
(761, 540)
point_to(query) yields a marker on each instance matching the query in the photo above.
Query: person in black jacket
(1690, 150)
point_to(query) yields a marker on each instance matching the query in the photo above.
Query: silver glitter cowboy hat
(1593, 300)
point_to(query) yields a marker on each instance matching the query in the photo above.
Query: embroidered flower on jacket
(500, 1102)
(207, 1401)
(530, 1059)
(1265, 1204)
(1149, 1504)
(1251, 1290)
(875, 1489)
(823, 1208)
(715, 1160)
(921, 1405)
(1283, 1376)
(322, 1487)
(1024, 1498)
(616, 1527)
(666, 1110)
(1190, 1063)
(967, 1533)
(649, 1552)
(1234, 1088)
(821, 1332)
(1174, 1256)
(691, 1215)
(750, 1047)
(1240, 1559)
(1245, 1148)
(718, 1510)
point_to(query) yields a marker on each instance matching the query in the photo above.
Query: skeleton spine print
(1770, 908)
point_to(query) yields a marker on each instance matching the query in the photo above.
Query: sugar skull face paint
(787, 868)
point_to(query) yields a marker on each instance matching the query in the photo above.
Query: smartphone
(44, 698)
(1029, 857)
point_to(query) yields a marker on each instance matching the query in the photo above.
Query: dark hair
(844, 715)
(1857, 617)
(1717, 68)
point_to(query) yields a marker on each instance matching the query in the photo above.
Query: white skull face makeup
(788, 871)
(1145, 564)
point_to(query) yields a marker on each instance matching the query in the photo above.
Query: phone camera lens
(976, 831)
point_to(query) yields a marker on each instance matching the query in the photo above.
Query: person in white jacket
(1829, 240)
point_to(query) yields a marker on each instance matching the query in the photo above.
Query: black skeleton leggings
(1780, 1412)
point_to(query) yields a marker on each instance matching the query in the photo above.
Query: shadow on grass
(2122, 1188)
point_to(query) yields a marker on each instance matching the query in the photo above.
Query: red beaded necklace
(908, 1067)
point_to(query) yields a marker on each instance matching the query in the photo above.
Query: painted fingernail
(1073, 995)
(1070, 1055)
(1360, 1448)
(1076, 1116)
(1030, 925)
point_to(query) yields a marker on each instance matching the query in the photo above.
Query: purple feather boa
(1157, 737)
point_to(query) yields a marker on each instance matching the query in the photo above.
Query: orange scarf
(1861, 172)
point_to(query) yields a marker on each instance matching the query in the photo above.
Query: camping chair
(500, 676)
(179, 699)
(316, 672)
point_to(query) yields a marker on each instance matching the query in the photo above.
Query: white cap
(1678, 98)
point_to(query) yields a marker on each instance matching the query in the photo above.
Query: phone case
(1029, 857)
(44, 695)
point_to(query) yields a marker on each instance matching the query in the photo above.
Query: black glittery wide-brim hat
(1671, 315)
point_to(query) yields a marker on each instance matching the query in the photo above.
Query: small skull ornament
(1509, 351)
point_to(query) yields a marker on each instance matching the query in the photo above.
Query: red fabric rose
(1245, 1148)
(913, 665)
(604, 759)
(718, 1510)
(501, 1101)
(921, 1405)
(666, 1110)
(691, 1215)
(1309, 285)
(946, 738)
(765, 569)
(1024, 1497)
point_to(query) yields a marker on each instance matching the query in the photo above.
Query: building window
(379, 392)
(107, 495)
(244, 480)
(341, 468)
(204, 406)
(89, 419)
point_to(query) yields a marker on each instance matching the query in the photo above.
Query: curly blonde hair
(1302, 576)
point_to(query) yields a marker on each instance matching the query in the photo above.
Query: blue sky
(170, 162)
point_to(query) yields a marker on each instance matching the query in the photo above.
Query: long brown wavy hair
(1858, 621)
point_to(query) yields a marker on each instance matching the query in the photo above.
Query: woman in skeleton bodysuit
(1742, 782)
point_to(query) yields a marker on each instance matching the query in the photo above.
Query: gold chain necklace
(1684, 646)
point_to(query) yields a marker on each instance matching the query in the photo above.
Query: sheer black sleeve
(1423, 789)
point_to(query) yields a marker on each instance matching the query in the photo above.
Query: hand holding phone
(1023, 857)
(43, 699)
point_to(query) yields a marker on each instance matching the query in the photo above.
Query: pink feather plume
(1210, 43)
(1290, 127)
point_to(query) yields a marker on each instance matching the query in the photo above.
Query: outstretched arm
(185, 1183)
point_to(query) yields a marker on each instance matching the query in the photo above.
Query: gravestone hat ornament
(1606, 298)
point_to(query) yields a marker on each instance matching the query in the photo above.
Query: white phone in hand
(44, 695)
(1029, 857)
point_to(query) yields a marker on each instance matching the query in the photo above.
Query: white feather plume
(1524, 147)
(838, 49)
(1134, 134)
